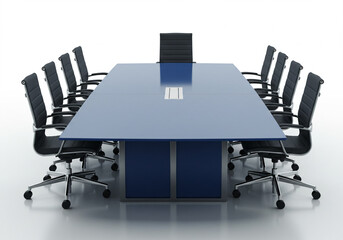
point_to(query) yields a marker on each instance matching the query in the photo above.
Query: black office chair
(273, 86)
(73, 104)
(268, 59)
(69, 75)
(279, 150)
(288, 92)
(176, 48)
(81, 64)
(273, 104)
(266, 90)
(73, 89)
(56, 92)
(64, 150)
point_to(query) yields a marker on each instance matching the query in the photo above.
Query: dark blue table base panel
(151, 171)
(198, 169)
(147, 169)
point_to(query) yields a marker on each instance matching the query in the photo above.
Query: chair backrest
(176, 48)
(53, 83)
(291, 83)
(68, 72)
(35, 98)
(309, 99)
(37, 106)
(278, 71)
(267, 63)
(81, 63)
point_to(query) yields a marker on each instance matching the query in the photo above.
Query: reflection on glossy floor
(252, 216)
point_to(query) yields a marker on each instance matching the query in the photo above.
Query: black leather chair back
(68, 72)
(53, 83)
(278, 71)
(291, 83)
(307, 106)
(176, 48)
(309, 99)
(37, 106)
(81, 63)
(35, 98)
(267, 63)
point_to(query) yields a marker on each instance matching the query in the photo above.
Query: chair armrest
(250, 73)
(278, 105)
(254, 79)
(260, 82)
(66, 106)
(283, 113)
(61, 114)
(270, 95)
(81, 91)
(94, 81)
(97, 74)
(271, 92)
(265, 90)
(296, 126)
(88, 83)
(49, 126)
(74, 96)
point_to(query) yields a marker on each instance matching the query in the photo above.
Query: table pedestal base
(173, 171)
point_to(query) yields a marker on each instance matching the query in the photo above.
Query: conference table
(173, 122)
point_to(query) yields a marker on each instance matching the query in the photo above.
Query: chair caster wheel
(46, 177)
(248, 178)
(101, 153)
(230, 166)
(116, 151)
(106, 193)
(236, 193)
(53, 168)
(101, 161)
(114, 167)
(28, 194)
(280, 204)
(316, 194)
(94, 178)
(295, 167)
(66, 204)
(297, 177)
(243, 152)
(230, 149)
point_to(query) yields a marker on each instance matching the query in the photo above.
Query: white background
(34, 32)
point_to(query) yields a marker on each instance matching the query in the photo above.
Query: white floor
(253, 215)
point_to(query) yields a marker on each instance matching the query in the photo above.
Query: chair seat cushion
(51, 145)
(76, 103)
(271, 100)
(293, 145)
(62, 119)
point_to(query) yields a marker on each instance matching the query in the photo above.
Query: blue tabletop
(215, 102)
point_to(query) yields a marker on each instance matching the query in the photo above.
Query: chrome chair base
(231, 165)
(68, 178)
(275, 178)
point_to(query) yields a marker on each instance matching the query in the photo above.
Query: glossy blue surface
(198, 169)
(147, 169)
(219, 104)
